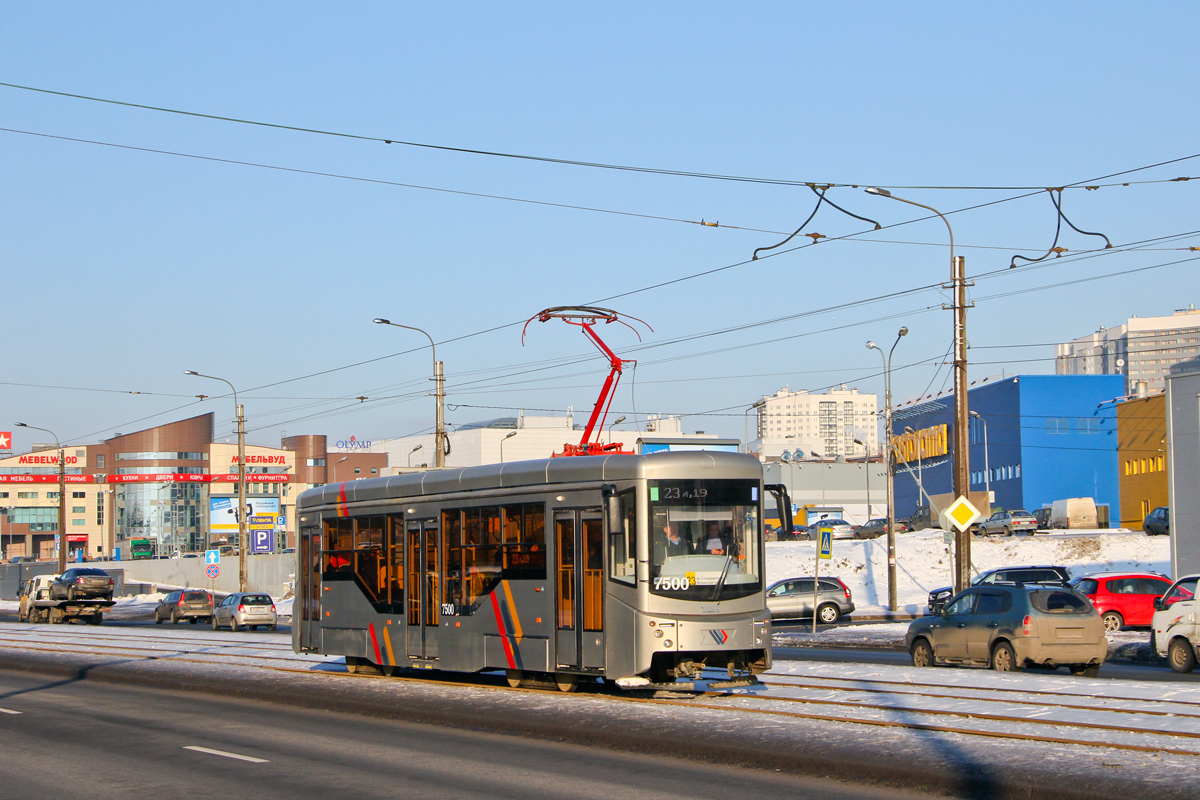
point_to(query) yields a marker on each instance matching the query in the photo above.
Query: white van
(1074, 512)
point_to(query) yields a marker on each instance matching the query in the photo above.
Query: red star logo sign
(5, 440)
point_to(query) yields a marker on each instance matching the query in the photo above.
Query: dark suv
(190, 604)
(1051, 576)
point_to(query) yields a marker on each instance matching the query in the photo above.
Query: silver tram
(642, 570)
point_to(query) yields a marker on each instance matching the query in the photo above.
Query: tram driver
(671, 543)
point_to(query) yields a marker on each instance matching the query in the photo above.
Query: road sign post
(824, 550)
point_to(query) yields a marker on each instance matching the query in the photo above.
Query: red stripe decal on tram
(508, 653)
(342, 510)
(375, 643)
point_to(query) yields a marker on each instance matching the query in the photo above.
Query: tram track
(1052, 715)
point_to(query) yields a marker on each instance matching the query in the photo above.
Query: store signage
(5, 440)
(32, 459)
(352, 444)
(925, 443)
(160, 477)
(260, 460)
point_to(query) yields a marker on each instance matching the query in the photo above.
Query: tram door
(308, 576)
(579, 543)
(424, 570)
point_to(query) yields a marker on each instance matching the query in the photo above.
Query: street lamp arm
(432, 346)
(886, 193)
(214, 378)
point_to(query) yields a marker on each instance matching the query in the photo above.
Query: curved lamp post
(891, 463)
(987, 470)
(410, 452)
(962, 456)
(62, 499)
(502, 441)
(241, 512)
(439, 393)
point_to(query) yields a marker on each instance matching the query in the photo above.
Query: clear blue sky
(123, 268)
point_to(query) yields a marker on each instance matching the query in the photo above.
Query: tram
(639, 569)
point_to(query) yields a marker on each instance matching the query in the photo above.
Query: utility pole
(962, 463)
(439, 393)
(243, 522)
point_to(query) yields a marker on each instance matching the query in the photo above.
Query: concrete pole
(962, 454)
(243, 522)
(62, 511)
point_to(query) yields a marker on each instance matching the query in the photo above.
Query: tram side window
(496, 543)
(339, 549)
(395, 555)
(622, 544)
(452, 586)
(368, 559)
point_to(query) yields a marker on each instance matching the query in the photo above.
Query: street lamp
(867, 471)
(439, 393)
(891, 463)
(410, 452)
(241, 512)
(615, 422)
(961, 463)
(62, 498)
(509, 436)
(987, 470)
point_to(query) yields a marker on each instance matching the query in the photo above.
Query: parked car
(245, 610)
(1042, 515)
(793, 599)
(82, 583)
(1010, 626)
(1057, 576)
(1176, 633)
(190, 604)
(1123, 598)
(841, 528)
(21, 559)
(1015, 520)
(1158, 522)
(872, 529)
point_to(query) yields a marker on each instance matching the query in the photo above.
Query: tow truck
(36, 605)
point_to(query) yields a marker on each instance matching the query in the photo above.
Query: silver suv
(793, 599)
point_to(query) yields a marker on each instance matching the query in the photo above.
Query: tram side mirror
(613, 518)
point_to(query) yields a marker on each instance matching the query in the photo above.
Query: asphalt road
(81, 739)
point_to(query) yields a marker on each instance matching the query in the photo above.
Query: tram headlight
(667, 643)
(658, 634)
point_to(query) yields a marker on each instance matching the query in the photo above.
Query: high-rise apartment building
(805, 425)
(1143, 349)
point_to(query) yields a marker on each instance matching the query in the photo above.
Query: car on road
(1123, 598)
(193, 605)
(82, 583)
(793, 599)
(1011, 626)
(1015, 520)
(1176, 631)
(1057, 576)
(841, 528)
(1158, 522)
(872, 529)
(245, 610)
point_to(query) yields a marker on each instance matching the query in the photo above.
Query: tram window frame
(490, 544)
(622, 545)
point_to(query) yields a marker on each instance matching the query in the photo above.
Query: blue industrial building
(1049, 437)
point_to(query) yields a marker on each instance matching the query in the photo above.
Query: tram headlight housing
(658, 634)
(667, 643)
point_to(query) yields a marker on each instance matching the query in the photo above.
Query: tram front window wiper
(721, 581)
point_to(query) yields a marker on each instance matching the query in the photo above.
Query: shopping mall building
(171, 487)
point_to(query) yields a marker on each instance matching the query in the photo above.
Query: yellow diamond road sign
(962, 514)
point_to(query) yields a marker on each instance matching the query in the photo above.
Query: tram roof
(546, 471)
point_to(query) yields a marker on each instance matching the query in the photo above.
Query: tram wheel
(390, 670)
(352, 663)
(566, 682)
(514, 677)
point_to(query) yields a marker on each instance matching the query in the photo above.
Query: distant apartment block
(1142, 350)
(806, 425)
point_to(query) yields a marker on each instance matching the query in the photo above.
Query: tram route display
(641, 570)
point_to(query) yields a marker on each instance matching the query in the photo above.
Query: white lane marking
(10, 711)
(210, 751)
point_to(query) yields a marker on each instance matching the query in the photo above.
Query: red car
(1123, 598)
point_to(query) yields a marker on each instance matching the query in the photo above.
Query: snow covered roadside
(923, 561)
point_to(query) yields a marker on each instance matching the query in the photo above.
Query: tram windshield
(704, 539)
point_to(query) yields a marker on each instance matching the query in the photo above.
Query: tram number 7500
(672, 583)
